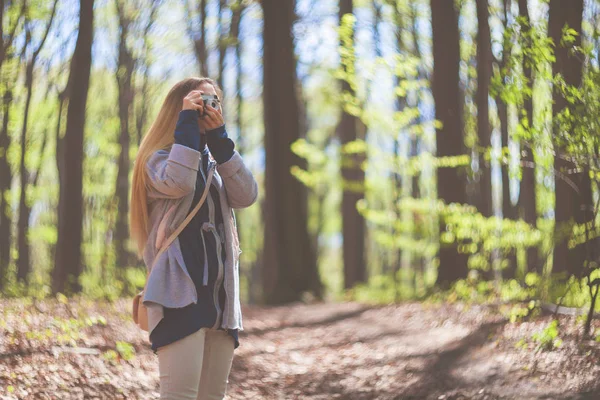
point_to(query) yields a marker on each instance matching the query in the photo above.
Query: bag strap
(189, 217)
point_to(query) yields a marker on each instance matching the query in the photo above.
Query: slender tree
(124, 78)
(237, 11)
(5, 180)
(290, 266)
(353, 223)
(527, 192)
(449, 137)
(398, 18)
(253, 272)
(484, 72)
(508, 209)
(8, 32)
(416, 143)
(483, 198)
(68, 262)
(143, 62)
(198, 36)
(571, 206)
(23, 261)
(222, 44)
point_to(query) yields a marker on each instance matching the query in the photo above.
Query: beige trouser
(196, 367)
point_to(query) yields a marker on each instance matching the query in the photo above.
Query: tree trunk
(569, 205)
(527, 192)
(142, 64)
(5, 169)
(222, 44)
(142, 112)
(353, 224)
(418, 262)
(198, 37)
(23, 259)
(484, 72)
(290, 266)
(124, 74)
(254, 273)
(483, 199)
(68, 263)
(397, 174)
(200, 43)
(508, 210)
(449, 138)
(59, 153)
(236, 21)
(5, 184)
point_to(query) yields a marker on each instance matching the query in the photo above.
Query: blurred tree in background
(68, 263)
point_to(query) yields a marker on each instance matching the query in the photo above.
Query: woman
(192, 292)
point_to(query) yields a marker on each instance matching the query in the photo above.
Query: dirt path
(397, 352)
(320, 351)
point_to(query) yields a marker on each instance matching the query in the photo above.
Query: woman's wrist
(217, 132)
(187, 132)
(219, 144)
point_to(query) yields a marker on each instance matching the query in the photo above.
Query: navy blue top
(181, 322)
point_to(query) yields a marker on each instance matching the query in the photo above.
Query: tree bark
(569, 206)
(124, 77)
(527, 192)
(141, 112)
(198, 38)
(483, 198)
(23, 262)
(393, 262)
(484, 73)
(508, 210)
(222, 44)
(401, 103)
(68, 263)
(449, 138)
(5, 184)
(59, 153)
(418, 263)
(290, 266)
(236, 21)
(23, 259)
(200, 43)
(254, 271)
(6, 41)
(353, 224)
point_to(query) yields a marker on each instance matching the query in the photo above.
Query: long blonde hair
(159, 136)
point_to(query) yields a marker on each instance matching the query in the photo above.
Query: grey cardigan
(170, 189)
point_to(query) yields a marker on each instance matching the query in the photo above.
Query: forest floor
(71, 349)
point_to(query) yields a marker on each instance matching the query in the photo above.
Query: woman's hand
(212, 118)
(193, 101)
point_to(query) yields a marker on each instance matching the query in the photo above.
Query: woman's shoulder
(161, 152)
(179, 153)
(158, 156)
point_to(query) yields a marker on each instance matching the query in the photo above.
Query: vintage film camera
(211, 100)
